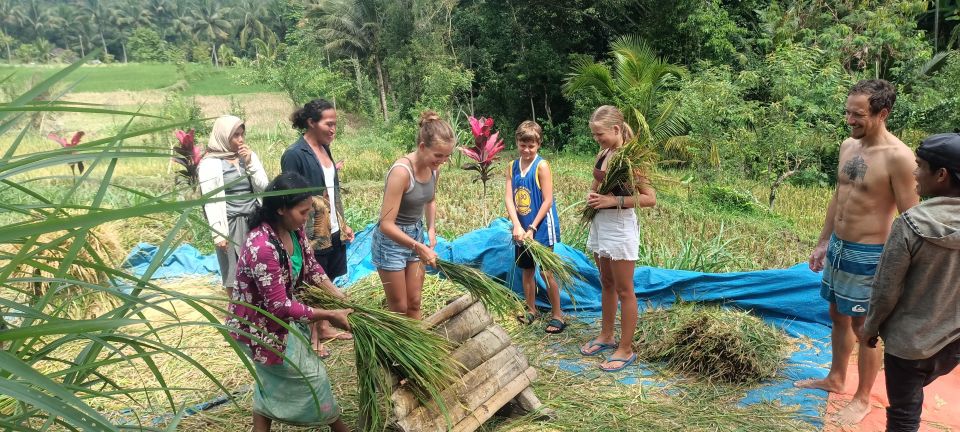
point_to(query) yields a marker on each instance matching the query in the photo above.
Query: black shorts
(334, 258)
(523, 258)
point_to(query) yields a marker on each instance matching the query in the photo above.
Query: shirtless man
(874, 182)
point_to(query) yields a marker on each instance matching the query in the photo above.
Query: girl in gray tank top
(405, 238)
(415, 197)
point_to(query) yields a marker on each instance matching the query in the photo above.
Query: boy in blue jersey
(530, 205)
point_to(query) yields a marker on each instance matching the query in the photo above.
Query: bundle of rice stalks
(494, 295)
(636, 158)
(383, 341)
(549, 261)
(712, 342)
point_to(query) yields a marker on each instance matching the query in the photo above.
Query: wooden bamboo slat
(450, 310)
(471, 391)
(466, 324)
(470, 354)
(483, 412)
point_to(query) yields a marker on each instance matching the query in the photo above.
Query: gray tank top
(415, 197)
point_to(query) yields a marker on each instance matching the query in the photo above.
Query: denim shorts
(388, 255)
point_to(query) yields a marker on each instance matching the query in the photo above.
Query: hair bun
(428, 116)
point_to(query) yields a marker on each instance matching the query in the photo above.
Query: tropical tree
(36, 18)
(352, 28)
(74, 29)
(98, 15)
(637, 84)
(9, 21)
(210, 23)
(250, 21)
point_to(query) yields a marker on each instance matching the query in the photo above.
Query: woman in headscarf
(229, 162)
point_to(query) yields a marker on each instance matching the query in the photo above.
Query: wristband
(532, 228)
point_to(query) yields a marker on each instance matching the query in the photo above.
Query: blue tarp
(787, 298)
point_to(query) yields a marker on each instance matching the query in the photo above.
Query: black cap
(942, 150)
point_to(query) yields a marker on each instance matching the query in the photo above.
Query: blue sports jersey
(528, 197)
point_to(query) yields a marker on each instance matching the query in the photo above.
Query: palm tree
(6, 40)
(37, 18)
(250, 21)
(210, 22)
(636, 85)
(98, 15)
(9, 19)
(124, 19)
(73, 27)
(352, 27)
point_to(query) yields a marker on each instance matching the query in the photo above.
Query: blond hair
(433, 129)
(529, 130)
(608, 116)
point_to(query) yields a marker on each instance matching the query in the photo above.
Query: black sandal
(557, 324)
(527, 318)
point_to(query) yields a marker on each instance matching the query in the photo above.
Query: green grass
(200, 79)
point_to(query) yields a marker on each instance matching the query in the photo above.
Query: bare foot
(821, 384)
(321, 351)
(853, 413)
(339, 335)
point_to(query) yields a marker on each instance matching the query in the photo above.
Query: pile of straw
(548, 261)
(100, 250)
(385, 341)
(494, 295)
(636, 158)
(712, 342)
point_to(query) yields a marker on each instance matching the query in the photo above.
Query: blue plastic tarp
(787, 298)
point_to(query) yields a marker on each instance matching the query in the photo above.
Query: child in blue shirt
(531, 208)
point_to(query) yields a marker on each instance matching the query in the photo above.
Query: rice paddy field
(687, 229)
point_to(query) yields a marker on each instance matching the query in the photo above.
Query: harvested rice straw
(634, 159)
(384, 341)
(712, 342)
(494, 295)
(549, 261)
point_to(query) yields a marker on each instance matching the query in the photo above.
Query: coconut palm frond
(586, 74)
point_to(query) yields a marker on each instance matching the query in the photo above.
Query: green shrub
(729, 198)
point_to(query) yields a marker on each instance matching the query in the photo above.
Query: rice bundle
(494, 295)
(712, 342)
(384, 341)
(550, 261)
(635, 158)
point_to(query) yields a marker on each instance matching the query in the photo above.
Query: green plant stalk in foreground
(54, 370)
(386, 341)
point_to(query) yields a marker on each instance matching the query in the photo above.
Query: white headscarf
(219, 144)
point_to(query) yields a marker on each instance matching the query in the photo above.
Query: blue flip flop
(626, 362)
(594, 343)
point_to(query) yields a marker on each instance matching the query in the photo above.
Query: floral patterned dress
(292, 388)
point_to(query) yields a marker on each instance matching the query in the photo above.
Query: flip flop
(626, 362)
(559, 325)
(322, 351)
(594, 343)
(527, 318)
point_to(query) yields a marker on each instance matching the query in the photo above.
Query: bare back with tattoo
(873, 183)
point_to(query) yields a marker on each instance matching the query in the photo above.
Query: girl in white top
(230, 166)
(614, 241)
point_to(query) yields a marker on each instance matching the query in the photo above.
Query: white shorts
(615, 234)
